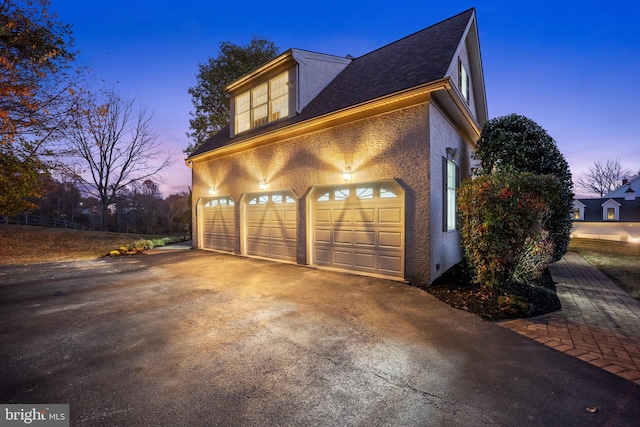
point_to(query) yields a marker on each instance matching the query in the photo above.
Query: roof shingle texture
(415, 60)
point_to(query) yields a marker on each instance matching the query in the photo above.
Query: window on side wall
(463, 80)
(451, 178)
(264, 103)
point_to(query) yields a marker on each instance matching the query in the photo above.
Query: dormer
(280, 88)
(611, 210)
(630, 194)
(578, 210)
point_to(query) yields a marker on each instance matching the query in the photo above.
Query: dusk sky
(569, 66)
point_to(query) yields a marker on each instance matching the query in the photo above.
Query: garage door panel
(323, 256)
(365, 215)
(290, 234)
(342, 258)
(276, 233)
(290, 216)
(322, 215)
(365, 238)
(342, 237)
(290, 251)
(390, 215)
(342, 215)
(390, 263)
(276, 250)
(365, 260)
(322, 236)
(390, 239)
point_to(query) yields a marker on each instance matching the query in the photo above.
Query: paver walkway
(599, 322)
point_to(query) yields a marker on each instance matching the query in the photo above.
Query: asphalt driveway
(194, 338)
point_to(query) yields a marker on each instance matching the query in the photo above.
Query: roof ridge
(472, 9)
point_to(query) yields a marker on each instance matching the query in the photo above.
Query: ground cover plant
(33, 245)
(620, 261)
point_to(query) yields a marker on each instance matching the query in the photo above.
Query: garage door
(271, 223)
(218, 224)
(360, 227)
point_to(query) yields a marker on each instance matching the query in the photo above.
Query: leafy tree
(34, 50)
(115, 144)
(209, 98)
(603, 177)
(179, 212)
(19, 179)
(516, 143)
(505, 217)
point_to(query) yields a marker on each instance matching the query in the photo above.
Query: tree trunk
(105, 215)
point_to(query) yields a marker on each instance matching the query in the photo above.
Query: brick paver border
(599, 322)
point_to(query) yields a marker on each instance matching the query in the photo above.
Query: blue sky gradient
(570, 66)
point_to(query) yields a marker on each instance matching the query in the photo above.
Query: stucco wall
(445, 245)
(393, 145)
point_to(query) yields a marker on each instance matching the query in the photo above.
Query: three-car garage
(354, 227)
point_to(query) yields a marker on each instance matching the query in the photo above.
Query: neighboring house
(616, 216)
(348, 164)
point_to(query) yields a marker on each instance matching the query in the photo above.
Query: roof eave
(410, 97)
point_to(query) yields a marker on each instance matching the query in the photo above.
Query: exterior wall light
(263, 184)
(346, 175)
(212, 191)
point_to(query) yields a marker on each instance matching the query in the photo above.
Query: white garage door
(271, 223)
(218, 224)
(360, 227)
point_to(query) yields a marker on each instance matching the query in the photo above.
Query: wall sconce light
(452, 153)
(346, 175)
(263, 184)
(212, 191)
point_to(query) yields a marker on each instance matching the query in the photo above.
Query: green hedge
(504, 232)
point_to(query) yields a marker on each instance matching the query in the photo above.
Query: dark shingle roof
(629, 209)
(415, 60)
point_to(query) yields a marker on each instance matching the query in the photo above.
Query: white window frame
(606, 206)
(464, 81)
(450, 183)
(265, 103)
(578, 208)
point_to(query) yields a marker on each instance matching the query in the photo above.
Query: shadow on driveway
(200, 338)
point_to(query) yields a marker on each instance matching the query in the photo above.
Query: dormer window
(264, 103)
(611, 210)
(578, 210)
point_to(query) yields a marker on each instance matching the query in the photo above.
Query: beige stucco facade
(391, 146)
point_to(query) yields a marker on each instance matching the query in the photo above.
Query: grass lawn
(620, 261)
(33, 245)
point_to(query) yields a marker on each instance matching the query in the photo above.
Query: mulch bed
(516, 301)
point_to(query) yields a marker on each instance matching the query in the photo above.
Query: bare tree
(113, 140)
(603, 177)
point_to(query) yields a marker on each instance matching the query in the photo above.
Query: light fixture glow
(346, 175)
(263, 184)
(212, 190)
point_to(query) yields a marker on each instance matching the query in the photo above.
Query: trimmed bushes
(505, 218)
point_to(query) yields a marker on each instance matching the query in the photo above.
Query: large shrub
(515, 143)
(505, 218)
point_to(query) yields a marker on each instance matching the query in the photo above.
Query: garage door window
(274, 198)
(218, 202)
(359, 193)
